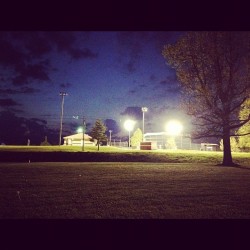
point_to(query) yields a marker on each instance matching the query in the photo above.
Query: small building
(209, 147)
(77, 140)
(148, 145)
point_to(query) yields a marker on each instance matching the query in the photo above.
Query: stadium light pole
(143, 109)
(174, 128)
(129, 126)
(62, 94)
(110, 131)
(83, 132)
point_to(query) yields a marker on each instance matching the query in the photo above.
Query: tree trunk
(227, 155)
(98, 144)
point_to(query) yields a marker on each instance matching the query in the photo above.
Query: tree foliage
(244, 131)
(45, 142)
(170, 143)
(136, 138)
(213, 69)
(98, 132)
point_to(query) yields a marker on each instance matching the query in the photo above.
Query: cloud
(82, 53)
(137, 89)
(129, 42)
(34, 42)
(66, 42)
(24, 90)
(167, 87)
(26, 56)
(132, 91)
(132, 112)
(8, 103)
(28, 90)
(171, 78)
(31, 72)
(14, 110)
(39, 120)
(152, 77)
(10, 55)
(65, 85)
(162, 38)
(130, 66)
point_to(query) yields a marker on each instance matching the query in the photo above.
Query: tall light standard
(129, 126)
(83, 132)
(110, 131)
(174, 128)
(62, 94)
(143, 109)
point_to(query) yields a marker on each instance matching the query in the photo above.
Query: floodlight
(174, 127)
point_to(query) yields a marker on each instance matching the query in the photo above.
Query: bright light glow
(129, 125)
(174, 127)
(79, 130)
(144, 109)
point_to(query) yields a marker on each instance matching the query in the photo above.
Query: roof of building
(78, 136)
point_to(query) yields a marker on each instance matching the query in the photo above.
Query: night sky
(106, 74)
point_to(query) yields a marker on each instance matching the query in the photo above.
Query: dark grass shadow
(235, 165)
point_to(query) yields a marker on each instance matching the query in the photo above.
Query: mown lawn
(112, 154)
(123, 190)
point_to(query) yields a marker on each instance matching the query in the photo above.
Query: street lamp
(129, 126)
(143, 109)
(110, 131)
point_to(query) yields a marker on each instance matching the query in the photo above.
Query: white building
(163, 140)
(77, 140)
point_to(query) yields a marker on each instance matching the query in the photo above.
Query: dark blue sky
(103, 73)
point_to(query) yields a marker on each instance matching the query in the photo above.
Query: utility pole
(83, 132)
(62, 94)
(143, 109)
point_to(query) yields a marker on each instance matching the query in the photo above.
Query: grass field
(63, 182)
(123, 190)
(112, 154)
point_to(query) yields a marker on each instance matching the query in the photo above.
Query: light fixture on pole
(62, 94)
(129, 126)
(143, 109)
(174, 128)
(110, 131)
(83, 132)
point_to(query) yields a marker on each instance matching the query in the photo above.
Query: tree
(244, 131)
(170, 143)
(136, 138)
(214, 73)
(45, 142)
(234, 144)
(98, 132)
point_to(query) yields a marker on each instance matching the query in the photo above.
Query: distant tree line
(16, 130)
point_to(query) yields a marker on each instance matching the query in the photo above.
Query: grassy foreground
(112, 154)
(123, 190)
